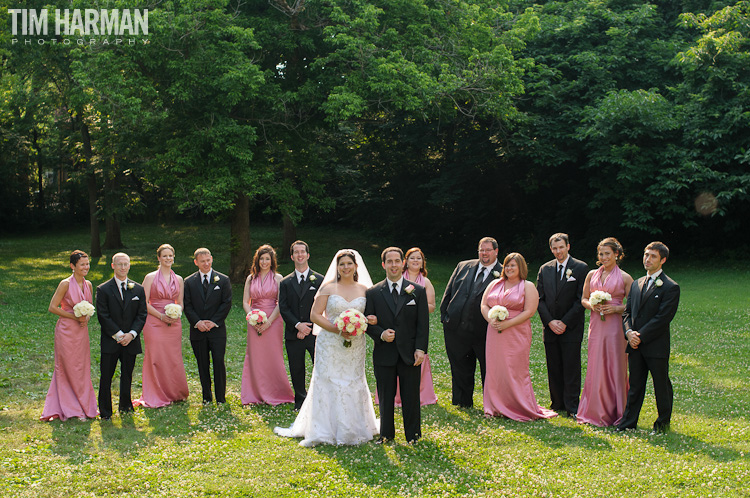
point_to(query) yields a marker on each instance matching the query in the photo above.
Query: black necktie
(205, 284)
(559, 272)
(645, 285)
(302, 279)
(394, 292)
(480, 275)
(122, 287)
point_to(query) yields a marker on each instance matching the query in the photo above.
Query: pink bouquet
(256, 317)
(351, 321)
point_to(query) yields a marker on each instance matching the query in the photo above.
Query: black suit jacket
(409, 318)
(115, 314)
(651, 314)
(295, 301)
(562, 300)
(461, 292)
(214, 306)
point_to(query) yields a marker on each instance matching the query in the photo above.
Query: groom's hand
(418, 357)
(388, 335)
(634, 338)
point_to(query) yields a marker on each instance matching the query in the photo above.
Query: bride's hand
(372, 320)
(346, 335)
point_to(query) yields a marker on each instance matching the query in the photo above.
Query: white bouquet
(598, 297)
(256, 317)
(84, 308)
(498, 312)
(174, 311)
(352, 321)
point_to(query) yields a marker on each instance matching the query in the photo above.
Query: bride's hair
(350, 255)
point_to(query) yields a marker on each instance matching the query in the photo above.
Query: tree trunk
(40, 173)
(113, 239)
(240, 255)
(290, 235)
(96, 248)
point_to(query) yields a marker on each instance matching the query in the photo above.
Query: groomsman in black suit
(208, 299)
(296, 295)
(464, 327)
(560, 286)
(401, 336)
(121, 310)
(652, 304)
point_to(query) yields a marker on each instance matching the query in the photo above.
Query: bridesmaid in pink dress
(605, 389)
(264, 377)
(507, 388)
(415, 270)
(164, 379)
(71, 393)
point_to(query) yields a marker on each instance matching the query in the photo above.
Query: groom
(652, 304)
(401, 336)
(296, 295)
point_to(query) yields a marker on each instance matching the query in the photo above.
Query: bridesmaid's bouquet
(351, 321)
(173, 311)
(84, 308)
(499, 313)
(256, 317)
(598, 297)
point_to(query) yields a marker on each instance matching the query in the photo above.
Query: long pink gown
(164, 379)
(71, 393)
(605, 389)
(426, 388)
(507, 388)
(264, 378)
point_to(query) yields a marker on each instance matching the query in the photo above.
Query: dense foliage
(430, 121)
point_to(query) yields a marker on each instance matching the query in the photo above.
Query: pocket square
(217, 288)
(312, 288)
(411, 303)
(136, 298)
(571, 279)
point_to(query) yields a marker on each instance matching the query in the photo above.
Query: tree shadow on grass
(559, 434)
(682, 444)
(70, 439)
(170, 421)
(125, 438)
(402, 468)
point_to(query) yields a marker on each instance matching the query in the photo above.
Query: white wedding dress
(338, 408)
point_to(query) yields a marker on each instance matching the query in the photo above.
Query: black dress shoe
(382, 440)
(105, 417)
(659, 429)
(621, 429)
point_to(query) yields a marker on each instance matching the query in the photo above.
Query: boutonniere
(496, 274)
(131, 285)
(658, 282)
(568, 273)
(216, 278)
(409, 289)
(312, 278)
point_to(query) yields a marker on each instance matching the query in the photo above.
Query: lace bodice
(337, 304)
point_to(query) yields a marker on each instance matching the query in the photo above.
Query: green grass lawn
(190, 450)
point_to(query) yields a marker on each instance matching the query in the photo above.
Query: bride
(338, 408)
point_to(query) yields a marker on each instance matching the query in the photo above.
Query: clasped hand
(205, 325)
(634, 339)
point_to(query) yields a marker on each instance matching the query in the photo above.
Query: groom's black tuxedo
(295, 303)
(465, 328)
(650, 314)
(409, 317)
(560, 299)
(115, 313)
(213, 304)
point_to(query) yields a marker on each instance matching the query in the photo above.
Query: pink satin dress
(264, 378)
(164, 379)
(507, 389)
(426, 388)
(71, 393)
(605, 389)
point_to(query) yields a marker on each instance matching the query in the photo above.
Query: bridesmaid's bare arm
(485, 308)
(430, 291)
(57, 297)
(147, 281)
(587, 292)
(246, 295)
